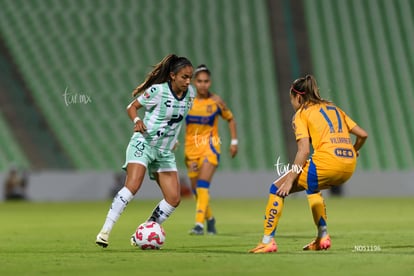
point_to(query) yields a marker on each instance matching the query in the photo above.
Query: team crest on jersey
(209, 108)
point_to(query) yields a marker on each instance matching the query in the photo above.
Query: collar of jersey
(175, 96)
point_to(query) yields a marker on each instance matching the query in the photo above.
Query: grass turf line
(370, 236)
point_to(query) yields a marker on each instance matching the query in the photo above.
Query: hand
(140, 127)
(284, 189)
(233, 150)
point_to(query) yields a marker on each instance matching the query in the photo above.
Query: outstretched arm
(132, 109)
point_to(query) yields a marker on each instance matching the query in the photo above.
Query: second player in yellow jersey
(202, 137)
(202, 145)
(327, 128)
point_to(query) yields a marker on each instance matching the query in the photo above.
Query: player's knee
(174, 201)
(133, 184)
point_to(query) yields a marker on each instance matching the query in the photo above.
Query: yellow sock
(273, 213)
(202, 204)
(318, 208)
(209, 212)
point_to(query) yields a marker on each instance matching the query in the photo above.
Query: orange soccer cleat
(265, 247)
(319, 244)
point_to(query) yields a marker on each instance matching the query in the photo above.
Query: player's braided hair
(308, 89)
(161, 72)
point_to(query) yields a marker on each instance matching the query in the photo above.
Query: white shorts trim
(167, 170)
(137, 162)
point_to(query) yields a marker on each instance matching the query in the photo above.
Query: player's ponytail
(308, 89)
(161, 72)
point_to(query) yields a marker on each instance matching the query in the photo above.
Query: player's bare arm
(132, 109)
(301, 156)
(232, 126)
(361, 137)
(233, 134)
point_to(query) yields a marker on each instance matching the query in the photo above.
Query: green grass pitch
(370, 236)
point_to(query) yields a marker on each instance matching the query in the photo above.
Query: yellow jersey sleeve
(224, 112)
(300, 126)
(348, 121)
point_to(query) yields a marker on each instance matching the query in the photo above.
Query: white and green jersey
(164, 115)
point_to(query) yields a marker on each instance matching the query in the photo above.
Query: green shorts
(153, 159)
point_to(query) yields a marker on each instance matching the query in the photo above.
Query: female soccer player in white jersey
(167, 96)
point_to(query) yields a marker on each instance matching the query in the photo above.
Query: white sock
(119, 203)
(161, 212)
(266, 239)
(322, 231)
(200, 224)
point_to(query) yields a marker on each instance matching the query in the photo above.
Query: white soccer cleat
(102, 239)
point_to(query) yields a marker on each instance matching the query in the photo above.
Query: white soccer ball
(149, 235)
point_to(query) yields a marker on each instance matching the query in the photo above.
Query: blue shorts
(313, 178)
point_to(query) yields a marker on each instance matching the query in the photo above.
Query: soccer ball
(149, 235)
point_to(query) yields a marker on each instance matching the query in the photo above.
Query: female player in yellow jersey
(327, 128)
(202, 145)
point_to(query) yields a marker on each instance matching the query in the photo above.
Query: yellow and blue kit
(334, 157)
(202, 140)
(332, 163)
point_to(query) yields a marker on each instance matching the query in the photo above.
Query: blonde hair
(308, 89)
